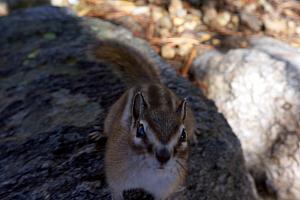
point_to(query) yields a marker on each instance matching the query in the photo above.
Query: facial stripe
(169, 99)
(150, 135)
(160, 97)
(164, 124)
(154, 96)
(175, 137)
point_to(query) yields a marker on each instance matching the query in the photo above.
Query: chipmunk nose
(163, 155)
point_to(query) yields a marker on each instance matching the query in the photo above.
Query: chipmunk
(149, 128)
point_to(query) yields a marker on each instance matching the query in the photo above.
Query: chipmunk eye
(140, 132)
(183, 136)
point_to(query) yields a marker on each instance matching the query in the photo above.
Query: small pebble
(164, 32)
(178, 21)
(190, 25)
(176, 8)
(235, 20)
(298, 30)
(291, 26)
(209, 15)
(195, 12)
(250, 7)
(275, 25)
(216, 42)
(184, 49)
(167, 51)
(223, 18)
(61, 2)
(205, 37)
(180, 29)
(157, 13)
(165, 22)
(141, 10)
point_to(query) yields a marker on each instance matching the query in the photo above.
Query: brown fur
(124, 57)
(162, 112)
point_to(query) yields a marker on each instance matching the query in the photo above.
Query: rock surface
(258, 90)
(53, 96)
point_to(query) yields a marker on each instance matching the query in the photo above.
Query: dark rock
(21, 4)
(53, 96)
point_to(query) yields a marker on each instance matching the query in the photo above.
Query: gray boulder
(258, 91)
(53, 96)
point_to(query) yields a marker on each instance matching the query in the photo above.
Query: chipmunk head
(159, 132)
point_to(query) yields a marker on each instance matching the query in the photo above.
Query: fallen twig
(186, 68)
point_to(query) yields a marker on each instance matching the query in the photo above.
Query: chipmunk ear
(182, 109)
(138, 105)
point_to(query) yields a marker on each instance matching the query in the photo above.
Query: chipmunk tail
(129, 63)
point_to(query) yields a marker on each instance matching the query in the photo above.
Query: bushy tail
(129, 63)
